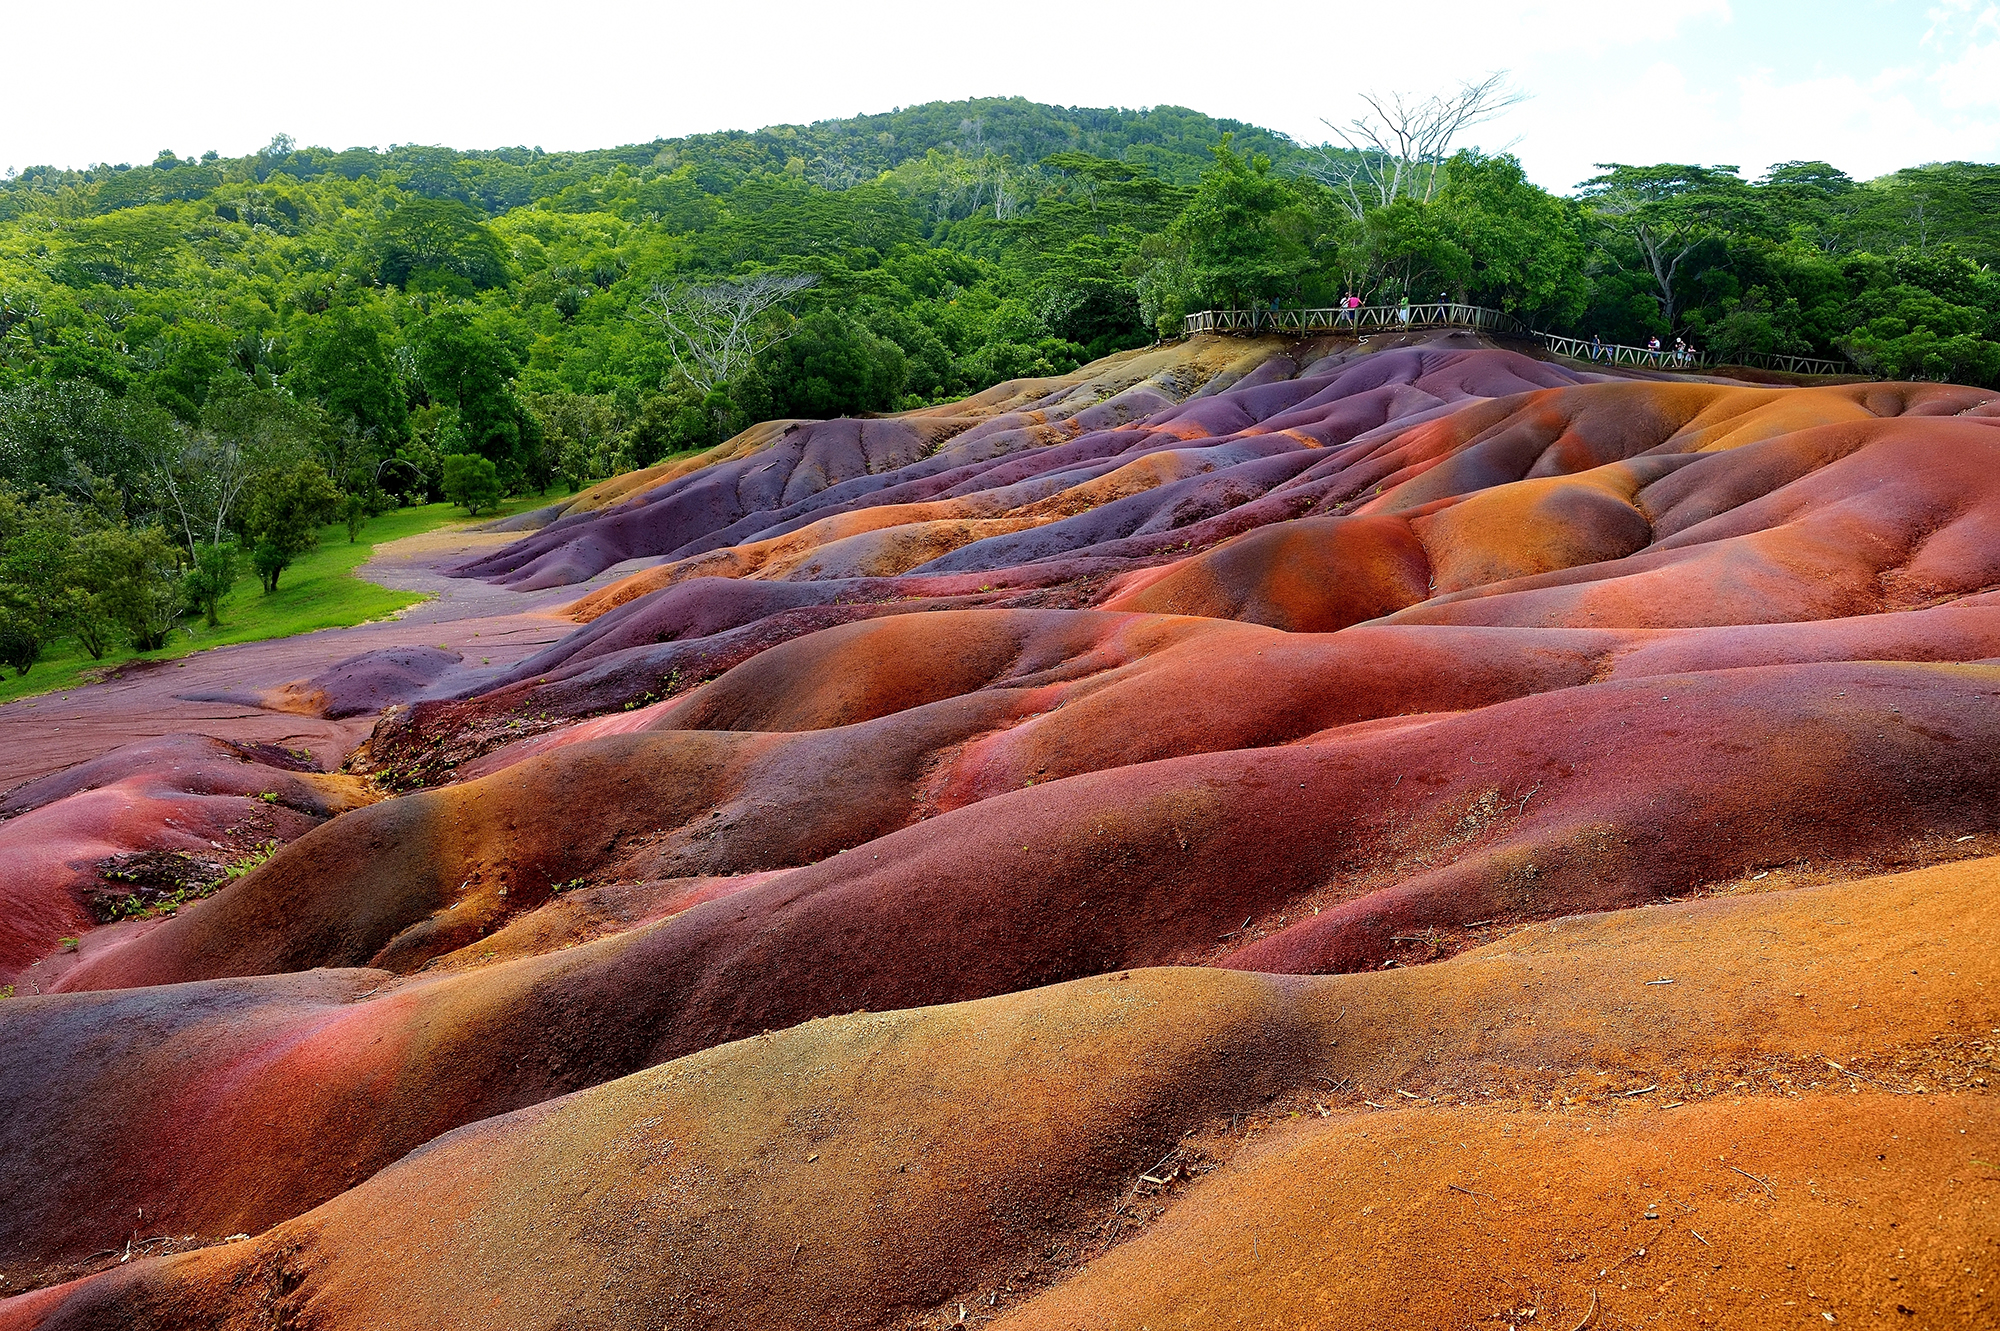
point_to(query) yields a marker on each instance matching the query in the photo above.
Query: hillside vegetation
(203, 361)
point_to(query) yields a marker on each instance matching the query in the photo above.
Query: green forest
(205, 361)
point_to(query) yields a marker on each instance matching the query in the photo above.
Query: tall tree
(581, 435)
(1663, 214)
(715, 329)
(834, 366)
(184, 360)
(467, 369)
(71, 435)
(1247, 232)
(1524, 247)
(199, 477)
(344, 360)
(283, 512)
(439, 244)
(39, 598)
(1398, 150)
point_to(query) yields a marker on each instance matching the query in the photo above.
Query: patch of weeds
(269, 797)
(249, 861)
(162, 883)
(67, 944)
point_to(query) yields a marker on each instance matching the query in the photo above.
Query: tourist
(1403, 310)
(1597, 346)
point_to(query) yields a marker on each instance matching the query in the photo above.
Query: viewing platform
(1449, 314)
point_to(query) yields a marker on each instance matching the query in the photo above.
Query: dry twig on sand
(1765, 1184)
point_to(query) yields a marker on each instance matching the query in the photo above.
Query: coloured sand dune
(1255, 832)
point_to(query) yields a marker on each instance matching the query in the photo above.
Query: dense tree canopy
(344, 360)
(438, 245)
(182, 341)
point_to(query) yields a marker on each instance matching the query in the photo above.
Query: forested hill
(224, 352)
(159, 277)
(1169, 142)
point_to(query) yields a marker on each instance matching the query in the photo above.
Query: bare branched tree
(1398, 150)
(1665, 213)
(1015, 187)
(714, 329)
(834, 173)
(198, 477)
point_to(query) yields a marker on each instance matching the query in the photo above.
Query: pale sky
(1869, 85)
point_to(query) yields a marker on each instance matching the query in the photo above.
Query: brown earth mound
(1255, 832)
(1546, 1122)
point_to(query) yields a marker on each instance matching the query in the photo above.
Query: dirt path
(481, 621)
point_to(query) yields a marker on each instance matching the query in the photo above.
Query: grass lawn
(320, 591)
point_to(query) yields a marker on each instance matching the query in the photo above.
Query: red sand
(866, 1170)
(1377, 697)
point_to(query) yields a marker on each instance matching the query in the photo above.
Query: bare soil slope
(1256, 832)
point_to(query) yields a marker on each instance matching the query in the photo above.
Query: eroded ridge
(1080, 857)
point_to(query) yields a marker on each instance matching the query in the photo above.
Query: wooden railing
(1616, 353)
(1449, 314)
(1612, 353)
(1792, 364)
(1365, 319)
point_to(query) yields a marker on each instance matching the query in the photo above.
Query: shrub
(206, 585)
(286, 509)
(471, 481)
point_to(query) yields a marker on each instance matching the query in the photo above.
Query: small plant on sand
(248, 862)
(166, 899)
